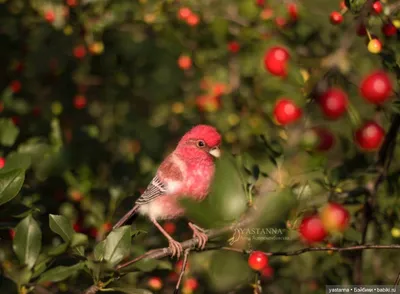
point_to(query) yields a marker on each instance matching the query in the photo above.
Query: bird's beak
(216, 152)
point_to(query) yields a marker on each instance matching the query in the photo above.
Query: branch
(188, 244)
(92, 289)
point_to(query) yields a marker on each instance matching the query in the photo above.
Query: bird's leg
(200, 234)
(176, 247)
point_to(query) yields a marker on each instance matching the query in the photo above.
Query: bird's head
(201, 140)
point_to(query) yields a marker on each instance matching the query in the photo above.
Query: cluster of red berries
(187, 15)
(258, 261)
(333, 218)
(375, 88)
(374, 44)
(280, 21)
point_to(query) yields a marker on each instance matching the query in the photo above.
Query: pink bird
(187, 172)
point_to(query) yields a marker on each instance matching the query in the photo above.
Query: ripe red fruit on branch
(184, 13)
(267, 272)
(155, 283)
(2, 162)
(336, 18)
(169, 227)
(342, 5)
(107, 227)
(286, 111)
(80, 101)
(293, 11)
(258, 260)
(12, 233)
(72, 3)
(333, 103)
(377, 7)
(376, 87)
(233, 47)
(79, 51)
(15, 86)
(260, 3)
(369, 136)
(275, 61)
(49, 16)
(190, 285)
(389, 29)
(325, 139)
(312, 230)
(193, 20)
(184, 62)
(335, 217)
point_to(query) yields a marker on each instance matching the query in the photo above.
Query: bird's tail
(126, 217)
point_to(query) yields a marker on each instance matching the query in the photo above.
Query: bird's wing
(171, 170)
(155, 189)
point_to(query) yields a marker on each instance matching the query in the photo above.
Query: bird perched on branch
(187, 172)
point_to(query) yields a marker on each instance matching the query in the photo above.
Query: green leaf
(20, 276)
(8, 132)
(117, 245)
(61, 273)
(99, 250)
(60, 225)
(17, 160)
(79, 239)
(10, 184)
(57, 250)
(27, 241)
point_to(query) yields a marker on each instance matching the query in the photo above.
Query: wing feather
(155, 189)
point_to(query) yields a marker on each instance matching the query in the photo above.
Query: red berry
(312, 230)
(77, 227)
(333, 103)
(184, 13)
(267, 272)
(93, 232)
(361, 30)
(155, 283)
(191, 284)
(169, 227)
(275, 61)
(293, 11)
(179, 264)
(336, 18)
(260, 3)
(389, 30)
(377, 7)
(369, 136)
(233, 47)
(80, 101)
(2, 162)
(280, 21)
(49, 16)
(184, 62)
(72, 3)
(219, 89)
(258, 260)
(376, 87)
(286, 111)
(325, 139)
(15, 86)
(107, 227)
(79, 51)
(12, 233)
(335, 217)
(193, 20)
(16, 120)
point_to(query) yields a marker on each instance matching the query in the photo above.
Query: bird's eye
(201, 143)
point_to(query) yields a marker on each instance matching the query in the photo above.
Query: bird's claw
(176, 248)
(200, 234)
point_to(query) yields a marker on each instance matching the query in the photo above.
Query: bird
(186, 172)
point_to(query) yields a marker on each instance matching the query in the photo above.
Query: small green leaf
(17, 160)
(79, 239)
(27, 241)
(117, 245)
(61, 273)
(60, 225)
(8, 132)
(10, 184)
(57, 250)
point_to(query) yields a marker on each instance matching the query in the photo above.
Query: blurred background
(95, 93)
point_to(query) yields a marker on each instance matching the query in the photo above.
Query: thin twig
(184, 265)
(397, 280)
